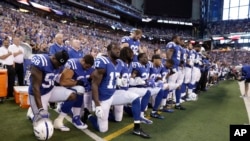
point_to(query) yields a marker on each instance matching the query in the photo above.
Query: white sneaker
(59, 125)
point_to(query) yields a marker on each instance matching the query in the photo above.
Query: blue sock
(111, 116)
(158, 99)
(79, 101)
(66, 107)
(136, 108)
(93, 121)
(183, 88)
(190, 86)
(145, 100)
(128, 110)
(166, 92)
(178, 95)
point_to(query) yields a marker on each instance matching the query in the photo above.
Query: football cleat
(146, 121)
(78, 123)
(156, 115)
(140, 132)
(179, 107)
(59, 125)
(166, 110)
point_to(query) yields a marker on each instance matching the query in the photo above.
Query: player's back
(49, 73)
(79, 71)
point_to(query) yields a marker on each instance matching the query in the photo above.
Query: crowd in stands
(227, 27)
(232, 57)
(149, 32)
(39, 32)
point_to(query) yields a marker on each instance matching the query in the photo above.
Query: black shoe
(140, 132)
(179, 107)
(85, 116)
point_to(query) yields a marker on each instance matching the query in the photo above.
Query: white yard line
(246, 100)
(86, 131)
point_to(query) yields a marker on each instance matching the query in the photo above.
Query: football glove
(99, 112)
(151, 83)
(41, 114)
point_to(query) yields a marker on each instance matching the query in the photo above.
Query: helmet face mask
(43, 129)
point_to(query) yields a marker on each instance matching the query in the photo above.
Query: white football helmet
(193, 96)
(43, 129)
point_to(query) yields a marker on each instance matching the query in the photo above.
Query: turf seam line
(86, 131)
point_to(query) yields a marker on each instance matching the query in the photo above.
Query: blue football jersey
(154, 72)
(143, 70)
(107, 86)
(198, 57)
(246, 72)
(79, 71)
(125, 73)
(164, 73)
(133, 44)
(49, 73)
(176, 57)
(184, 55)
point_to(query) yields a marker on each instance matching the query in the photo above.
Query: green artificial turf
(207, 119)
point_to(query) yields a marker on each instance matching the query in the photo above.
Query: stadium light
(90, 7)
(146, 19)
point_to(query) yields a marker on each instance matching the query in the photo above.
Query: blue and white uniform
(108, 93)
(48, 92)
(133, 44)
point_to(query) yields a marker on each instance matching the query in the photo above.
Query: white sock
(142, 114)
(177, 104)
(190, 91)
(76, 111)
(61, 116)
(163, 102)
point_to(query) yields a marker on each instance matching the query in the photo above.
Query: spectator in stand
(58, 45)
(76, 51)
(43, 49)
(7, 59)
(18, 53)
(94, 52)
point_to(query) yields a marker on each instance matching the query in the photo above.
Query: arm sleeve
(39, 62)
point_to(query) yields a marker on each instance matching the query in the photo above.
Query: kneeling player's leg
(100, 124)
(145, 94)
(71, 98)
(159, 96)
(118, 112)
(125, 97)
(45, 101)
